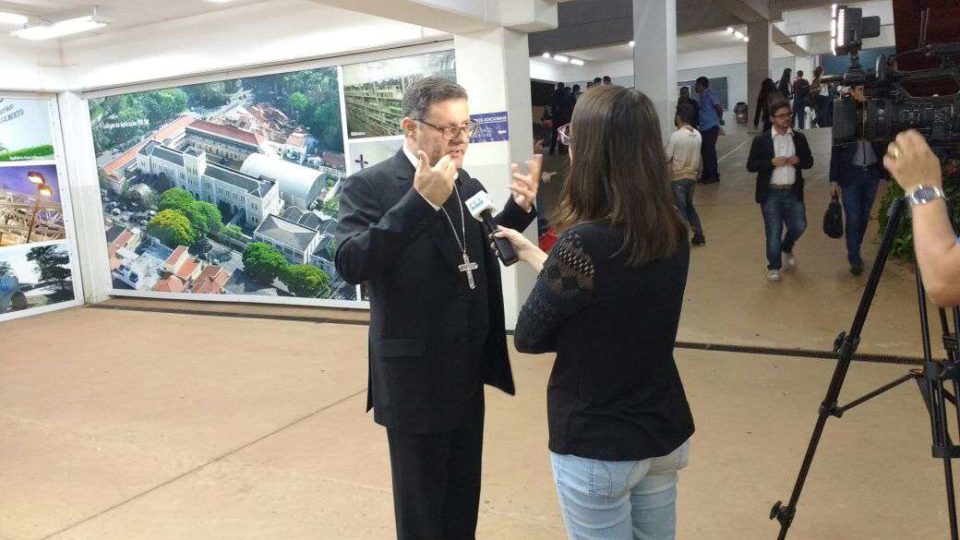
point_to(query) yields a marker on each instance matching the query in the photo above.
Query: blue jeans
(683, 198)
(799, 113)
(619, 500)
(781, 207)
(858, 198)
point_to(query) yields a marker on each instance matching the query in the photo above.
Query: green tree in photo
(232, 231)
(204, 218)
(175, 199)
(306, 281)
(298, 104)
(5, 269)
(172, 228)
(264, 262)
(332, 250)
(52, 263)
(332, 207)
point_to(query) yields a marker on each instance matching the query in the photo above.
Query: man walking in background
(779, 157)
(711, 118)
(683, 153)
(801, 93)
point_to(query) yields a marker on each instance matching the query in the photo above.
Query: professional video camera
(927, 100)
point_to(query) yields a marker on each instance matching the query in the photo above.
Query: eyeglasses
(450, 133)
(564, 133)
(783, 115)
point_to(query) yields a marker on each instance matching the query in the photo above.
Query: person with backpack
(801, 90)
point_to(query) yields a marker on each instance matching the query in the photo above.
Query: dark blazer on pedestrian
(842, 169)
(761, 157)
(432, 342)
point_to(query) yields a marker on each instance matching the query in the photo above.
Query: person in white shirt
(779, 157)
(683, 154)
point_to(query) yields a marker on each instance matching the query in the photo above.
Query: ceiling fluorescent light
(59, 29)
(576, 61)
(738, 35)
(12, 18)
(746, 39)
(561, 58)
(729, 30)
(632, 43)
(546, 55)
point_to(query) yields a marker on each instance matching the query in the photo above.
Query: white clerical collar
(414, 160)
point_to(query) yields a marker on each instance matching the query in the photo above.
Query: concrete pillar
(494, 67)
(655, 56)
(85, 195)
(758, 63)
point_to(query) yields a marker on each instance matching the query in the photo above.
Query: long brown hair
(619, 174)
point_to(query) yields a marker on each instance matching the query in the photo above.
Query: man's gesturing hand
(435, 183)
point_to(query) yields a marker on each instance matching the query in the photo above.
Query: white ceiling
(686, 43)
(120, 14)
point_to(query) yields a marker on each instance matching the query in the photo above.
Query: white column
(85, 195)
(494, 67)
(758, 64)
(655, 56)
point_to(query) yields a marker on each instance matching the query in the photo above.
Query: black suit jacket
(842, 169)
(761, 157)
(423, 358)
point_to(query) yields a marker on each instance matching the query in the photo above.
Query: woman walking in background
(767, 97)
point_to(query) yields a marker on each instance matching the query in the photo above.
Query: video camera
(895, 100)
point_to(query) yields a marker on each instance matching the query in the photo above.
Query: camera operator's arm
(913, 164)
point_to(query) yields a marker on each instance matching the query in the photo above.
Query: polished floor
(125, 424)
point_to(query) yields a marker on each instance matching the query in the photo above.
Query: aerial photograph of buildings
(230, 187)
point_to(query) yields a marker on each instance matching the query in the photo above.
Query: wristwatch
(925, 195)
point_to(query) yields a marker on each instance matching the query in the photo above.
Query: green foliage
(172, 228)
(210, 95)
(264, 262)
(310, 97)
(902, 247)
(128, 117)
(306, 280)
(36, 152)
(204, 217)
(332, 207)
(332, 250)
(175, 199)
(5, 269)
(232, 231)
(53, 264)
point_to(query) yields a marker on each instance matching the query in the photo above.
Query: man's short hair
(703, 81)
(799, 73)
(597, 80)
(607, 79)
(686, 113)
(420, 95)
(777, 105)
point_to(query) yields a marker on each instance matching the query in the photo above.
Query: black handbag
(833, 219)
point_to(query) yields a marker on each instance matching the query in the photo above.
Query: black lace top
(614, 393)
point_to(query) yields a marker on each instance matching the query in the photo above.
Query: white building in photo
(296, 242)
(189, 170)
(299, 186)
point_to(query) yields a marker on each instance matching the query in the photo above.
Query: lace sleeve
(565, 286)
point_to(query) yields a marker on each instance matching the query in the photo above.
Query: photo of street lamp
(30, 206)
(43, 190)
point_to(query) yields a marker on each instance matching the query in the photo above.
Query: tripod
(931, 380)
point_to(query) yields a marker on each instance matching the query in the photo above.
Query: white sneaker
(790, 260)
(773, 275)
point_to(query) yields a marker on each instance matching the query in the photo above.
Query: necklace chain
(463, 223)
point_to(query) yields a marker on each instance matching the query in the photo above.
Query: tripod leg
(845, 346)
(937, 406)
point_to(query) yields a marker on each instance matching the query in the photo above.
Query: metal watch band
(925, 195)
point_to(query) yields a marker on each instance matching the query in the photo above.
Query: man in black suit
(779, 157)
(436, 307)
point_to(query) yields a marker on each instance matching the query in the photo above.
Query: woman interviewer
(608, 301)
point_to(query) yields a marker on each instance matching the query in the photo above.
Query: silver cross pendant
(467, 268)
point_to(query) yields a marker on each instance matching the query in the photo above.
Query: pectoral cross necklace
(467, 267)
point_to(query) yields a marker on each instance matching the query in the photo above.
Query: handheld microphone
(480, 206)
